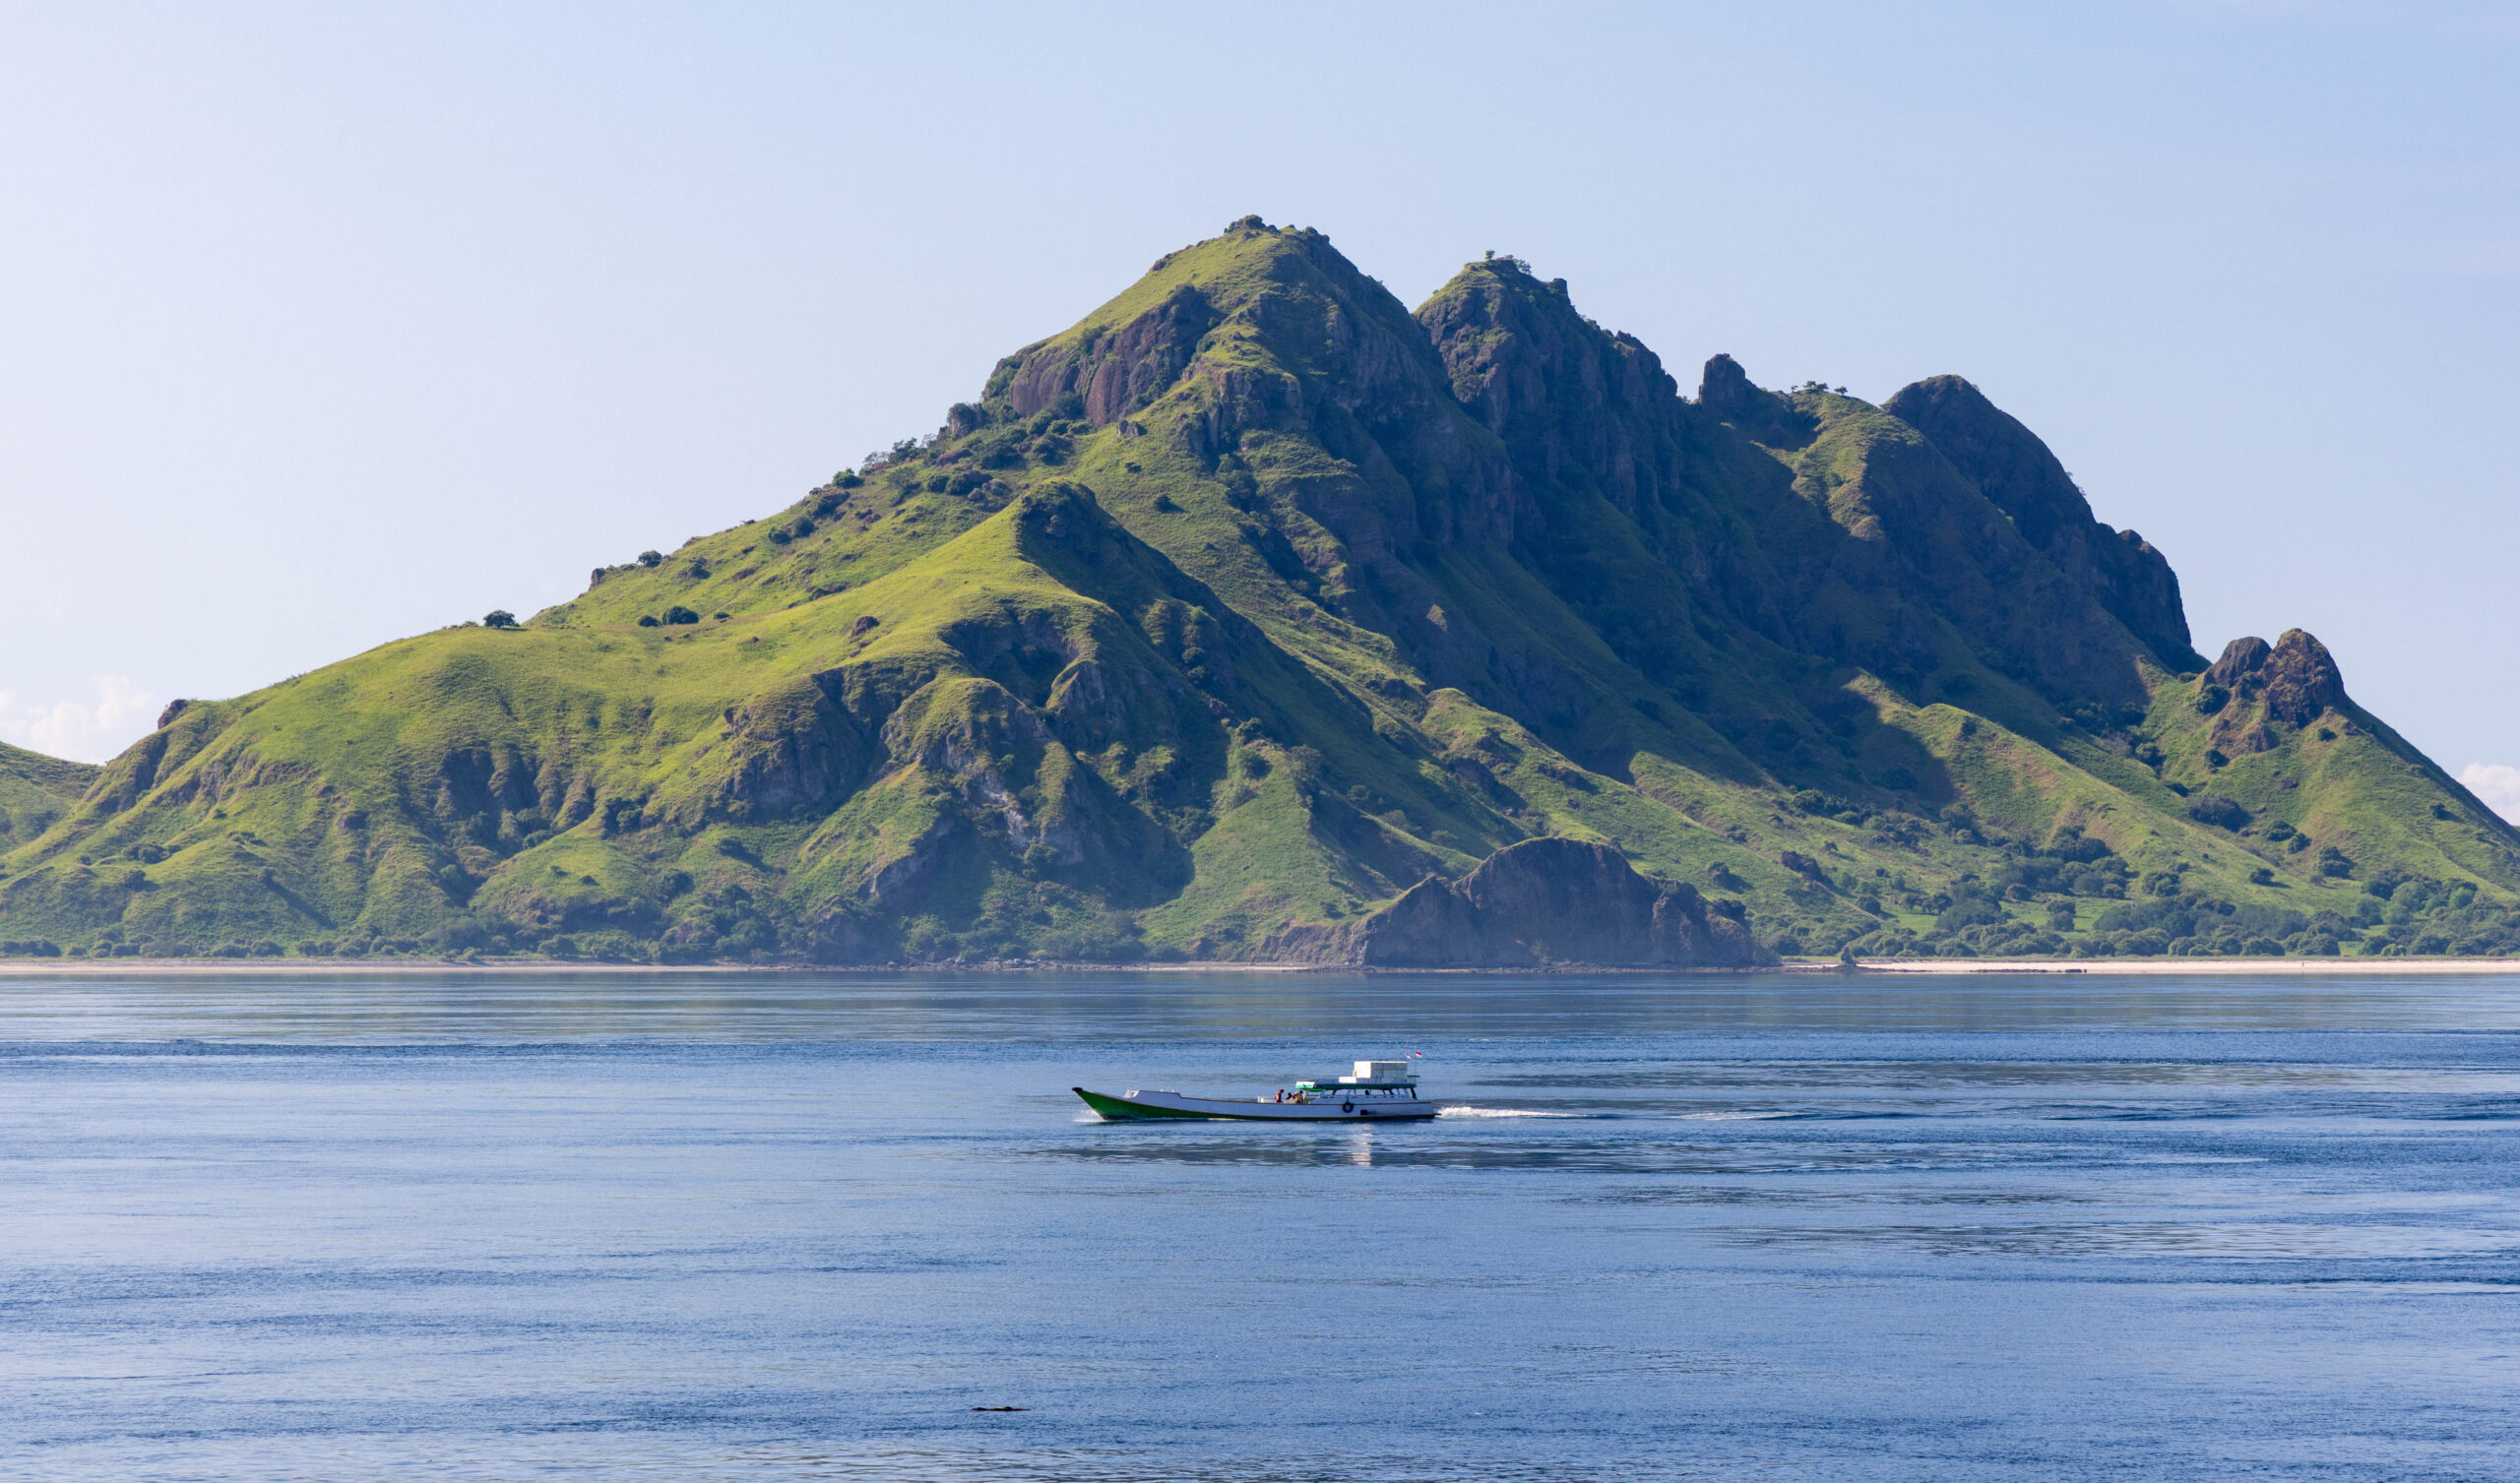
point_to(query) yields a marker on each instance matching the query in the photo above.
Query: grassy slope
(36, 790)
(1247, 683)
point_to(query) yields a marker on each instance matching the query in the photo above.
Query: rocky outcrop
(1148, 355)
(1920, 523)
(2241, 658)
(1119, 371)
(1542, 903)
(1725, 393)
(1579, 407)
(791, 747)
(2118, 569)
(2302, 680)
(2291, 683)
(1860, 531)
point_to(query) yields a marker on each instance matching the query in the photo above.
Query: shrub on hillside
(646, 620)
(678, 614)
(2072, 845)
(2222, 813)
(651, 558)
(498, 618)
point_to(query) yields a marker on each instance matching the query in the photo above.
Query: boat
(1379, 1091)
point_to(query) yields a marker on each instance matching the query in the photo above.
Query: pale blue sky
(323, 325)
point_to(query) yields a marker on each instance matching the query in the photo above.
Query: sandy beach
(2136, 966)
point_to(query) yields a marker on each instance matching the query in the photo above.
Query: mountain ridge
(1226, 621)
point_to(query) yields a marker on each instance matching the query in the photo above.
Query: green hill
(36, 790)
(1223, 621)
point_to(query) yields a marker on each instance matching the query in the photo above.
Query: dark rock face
(1542, 902)
(1724, 388)
(1116, 372)
(2241, 658)
(1725, 393)
(1575, 405)
(1851, 536)
(791, 747)
(2013, 468)
(1148, 355)
(2302, 679)
(2291, 683)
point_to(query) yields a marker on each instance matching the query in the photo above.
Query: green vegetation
(1227, 616)
(36, 790)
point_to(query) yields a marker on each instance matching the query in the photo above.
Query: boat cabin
(1372, 1077)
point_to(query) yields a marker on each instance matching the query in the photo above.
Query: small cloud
(122, 714)
(2497, 785)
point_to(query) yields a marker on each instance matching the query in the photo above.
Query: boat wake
(1477, 1112)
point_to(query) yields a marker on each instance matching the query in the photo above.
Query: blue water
(749, 1228)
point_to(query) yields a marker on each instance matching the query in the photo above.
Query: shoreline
(2237, 967)
(2240, 968)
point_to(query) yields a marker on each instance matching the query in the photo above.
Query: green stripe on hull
(1113, 1107)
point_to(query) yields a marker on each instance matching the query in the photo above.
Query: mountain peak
(2014, 469)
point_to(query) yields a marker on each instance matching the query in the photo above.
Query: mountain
(1256, 617)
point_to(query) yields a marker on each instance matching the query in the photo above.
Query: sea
(754, 1226)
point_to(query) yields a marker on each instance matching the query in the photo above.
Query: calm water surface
(797, 1227)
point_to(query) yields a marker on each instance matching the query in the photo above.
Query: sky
(325, 325)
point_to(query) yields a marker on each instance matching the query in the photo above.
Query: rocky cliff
(1540, 903)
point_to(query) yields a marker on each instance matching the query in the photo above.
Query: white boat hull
(1322, 1107)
